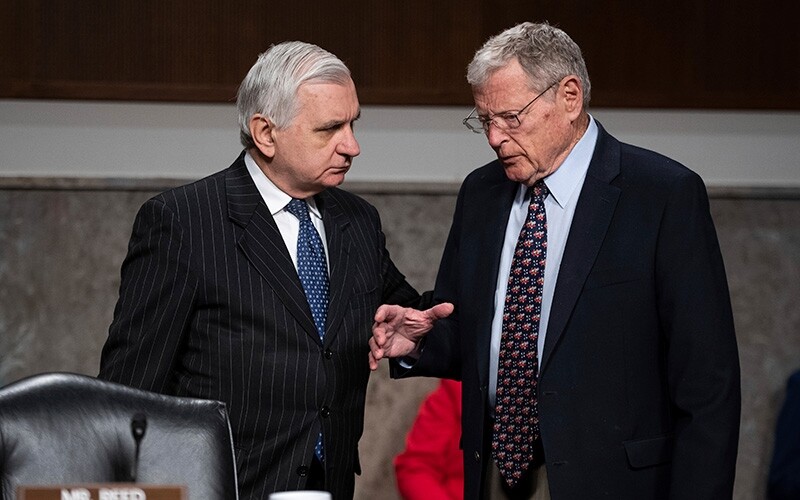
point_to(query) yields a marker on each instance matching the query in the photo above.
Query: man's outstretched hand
(397, 330)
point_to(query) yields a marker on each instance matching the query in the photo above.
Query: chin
(517, 174)
(334, 180)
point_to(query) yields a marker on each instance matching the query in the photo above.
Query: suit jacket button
(325, 412)
(477, 457)
(302, 471)
(328, 354)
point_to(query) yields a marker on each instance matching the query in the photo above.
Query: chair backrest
(65, 428)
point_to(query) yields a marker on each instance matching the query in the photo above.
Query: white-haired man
(592, 328)
(257, 285)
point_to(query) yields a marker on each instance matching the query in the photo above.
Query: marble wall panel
(61, 249)
(59, 276)
(760, 241)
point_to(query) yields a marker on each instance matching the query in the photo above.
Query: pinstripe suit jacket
(211, 306)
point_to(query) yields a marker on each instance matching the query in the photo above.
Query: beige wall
(398, 143)
(62, 242)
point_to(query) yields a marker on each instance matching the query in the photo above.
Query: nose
(495, 135)
(348, 146)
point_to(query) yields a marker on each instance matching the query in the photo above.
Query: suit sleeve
(155, 303)
(702, 357)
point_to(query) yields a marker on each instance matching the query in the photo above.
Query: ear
(571, 94)
(262, 131)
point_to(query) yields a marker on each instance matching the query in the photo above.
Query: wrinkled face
(317, 148)
(544, 137)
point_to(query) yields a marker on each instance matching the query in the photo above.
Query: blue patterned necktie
(312, 269)
(516, 418)
(311, 265)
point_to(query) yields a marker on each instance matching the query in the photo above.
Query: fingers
(373, 363)
(397, 330)
(375, 354)
(375, 350)
(378, 335)
(386, 313)
(380, 314)
(440, 311)
(389, 313)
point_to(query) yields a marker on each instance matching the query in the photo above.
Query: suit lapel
(340, 275)
(495, 208)
(262, 244)
(593, 214)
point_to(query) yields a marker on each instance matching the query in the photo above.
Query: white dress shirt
(276, 200)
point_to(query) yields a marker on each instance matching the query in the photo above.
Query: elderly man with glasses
(592, 326)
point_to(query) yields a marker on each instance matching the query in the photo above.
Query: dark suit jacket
(639, 381)
(211, 306)
(784, 471)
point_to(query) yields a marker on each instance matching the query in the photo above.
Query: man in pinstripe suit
(210, 302)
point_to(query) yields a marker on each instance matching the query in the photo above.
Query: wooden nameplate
(104, 491)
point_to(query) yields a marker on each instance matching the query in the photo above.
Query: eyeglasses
(508, 120)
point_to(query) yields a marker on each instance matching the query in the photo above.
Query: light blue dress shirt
(565, 186)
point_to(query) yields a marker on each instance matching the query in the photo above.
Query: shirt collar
(567, 179)
(275, 199)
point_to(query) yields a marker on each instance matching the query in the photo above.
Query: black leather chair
(64, 428)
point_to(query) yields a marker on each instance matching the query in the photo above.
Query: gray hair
(546, 53)
(270, 87)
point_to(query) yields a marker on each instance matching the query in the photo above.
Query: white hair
(270, 87)
(546, 53)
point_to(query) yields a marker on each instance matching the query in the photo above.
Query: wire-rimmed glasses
(507, 120)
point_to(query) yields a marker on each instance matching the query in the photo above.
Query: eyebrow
(337, 123)
(499, 113)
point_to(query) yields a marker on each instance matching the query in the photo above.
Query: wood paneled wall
(737, 54)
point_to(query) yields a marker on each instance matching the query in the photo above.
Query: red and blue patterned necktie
(516, 420)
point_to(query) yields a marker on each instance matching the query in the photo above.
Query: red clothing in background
(431, 467)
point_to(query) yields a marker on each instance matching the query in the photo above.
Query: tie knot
(299, 209)
(539, 190)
